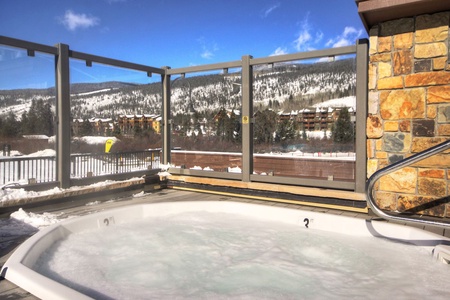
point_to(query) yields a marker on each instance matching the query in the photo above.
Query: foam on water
(222, 256)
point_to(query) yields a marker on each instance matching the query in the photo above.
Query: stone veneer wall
(409, 111)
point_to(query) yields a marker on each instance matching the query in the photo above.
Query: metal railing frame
(63, 54)
(410, 219)
(14, 169)
(40, 169)
(246, 64)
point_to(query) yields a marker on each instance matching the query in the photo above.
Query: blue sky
(177, 33)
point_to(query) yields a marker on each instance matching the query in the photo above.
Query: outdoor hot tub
(225, 249)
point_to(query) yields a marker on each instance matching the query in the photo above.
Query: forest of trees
(39, 119)
(222, 132)
(205, 109)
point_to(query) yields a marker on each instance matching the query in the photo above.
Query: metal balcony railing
(41, 169)
(64, 57)
(402, 217)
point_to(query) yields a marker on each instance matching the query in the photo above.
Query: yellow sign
(245, 119)
(108, 145)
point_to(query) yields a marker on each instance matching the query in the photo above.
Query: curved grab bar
(394, 167)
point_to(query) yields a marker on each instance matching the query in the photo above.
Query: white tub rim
(18, 268)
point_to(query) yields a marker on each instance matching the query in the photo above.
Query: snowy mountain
(284, 87)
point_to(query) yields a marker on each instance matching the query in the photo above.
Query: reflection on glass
(20, 69)
(206, 128)
(27, 116)
(304, 119)
(116, 120)
(110, 103)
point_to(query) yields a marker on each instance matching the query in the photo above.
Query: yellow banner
(108, 145)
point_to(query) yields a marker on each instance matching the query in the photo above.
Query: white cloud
(348, 37)
(302, 42)
(73, 21)
(319, 37)
(305, 40)
(208, 49)
(348, 31)
(279, 51)
(341, 43)
(207, 54)
(270, 10)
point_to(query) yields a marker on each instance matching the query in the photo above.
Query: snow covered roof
(36, 137)
(103, 120)
(153, 116)
(93, 119)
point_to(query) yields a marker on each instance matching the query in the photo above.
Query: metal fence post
(117, 162)
(63, 115)
(166, 121)
(362, 62)
(247, 118)
(19, 171)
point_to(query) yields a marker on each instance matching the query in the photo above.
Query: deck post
(166, 121)
(362, 61)
(247, 118)
(62, 72)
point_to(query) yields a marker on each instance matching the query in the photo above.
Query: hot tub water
(216, 255)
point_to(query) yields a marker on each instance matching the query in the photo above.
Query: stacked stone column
(409, 111)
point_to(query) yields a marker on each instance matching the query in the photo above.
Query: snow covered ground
(96, 140)
(8, 193)
(21, 224)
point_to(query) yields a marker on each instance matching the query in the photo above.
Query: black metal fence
(40, 169)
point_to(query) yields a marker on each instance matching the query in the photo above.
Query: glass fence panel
(304, 119)
(114, 110)
(206, 128)
(27, 116)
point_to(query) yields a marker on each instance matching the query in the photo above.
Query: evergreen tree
(39, 119)
(221, 117)
(137, 131)
(116, 131)
(231, 127)
(46, 118)
(86, 128)
(10, 126)
(31, 125)
(24, 124)
(185, 124)
(227, 126)
(304, 135)
(343, 129)
(265, 126)
(285, 131)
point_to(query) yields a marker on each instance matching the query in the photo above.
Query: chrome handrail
(394, 167)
